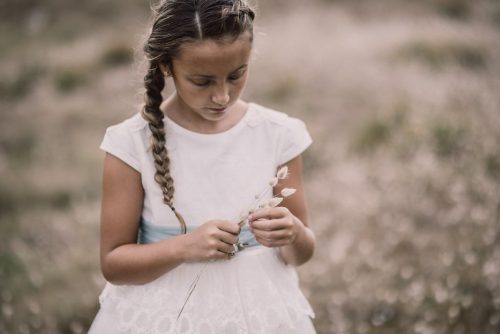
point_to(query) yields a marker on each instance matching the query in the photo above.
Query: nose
(221, 95)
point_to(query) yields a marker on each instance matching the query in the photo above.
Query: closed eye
(201, 83)
(234, 77)
(237, 75)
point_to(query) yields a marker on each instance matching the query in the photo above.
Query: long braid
(154, 83)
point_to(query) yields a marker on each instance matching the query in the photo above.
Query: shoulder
(265, 116)
(123, 140)
(130, 125)
(289, 134)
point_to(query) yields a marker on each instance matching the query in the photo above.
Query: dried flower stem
(258, 198)
(281, 174)
(192, 286)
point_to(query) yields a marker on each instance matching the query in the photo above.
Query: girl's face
(210, 75)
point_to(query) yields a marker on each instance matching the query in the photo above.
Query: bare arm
(286, 227)
(123, 261)
(302, 248)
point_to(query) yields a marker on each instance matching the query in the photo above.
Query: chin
(215, 117)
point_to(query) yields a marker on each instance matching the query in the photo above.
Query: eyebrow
(211, 76)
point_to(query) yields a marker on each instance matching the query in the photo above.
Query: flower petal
(275, 201)
(285, 192)
(273, 182)
(282, 173)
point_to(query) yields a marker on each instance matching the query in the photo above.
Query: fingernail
(250, 218)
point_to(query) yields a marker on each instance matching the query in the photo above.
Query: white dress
(216, 176)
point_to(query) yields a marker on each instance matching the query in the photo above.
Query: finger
(268, 213)
(262, 224)
(225, 248)
(270, 225)
(228, 238)
(274, 235)
(229, 227)
(220, 256)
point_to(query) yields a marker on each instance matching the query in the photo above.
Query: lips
(217, 109)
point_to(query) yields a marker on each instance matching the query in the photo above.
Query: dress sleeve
(295, 140)
(119, 142)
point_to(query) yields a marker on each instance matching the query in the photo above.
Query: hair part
(198, 24)
(177, 22)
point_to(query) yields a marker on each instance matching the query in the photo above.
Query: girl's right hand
(211, 241)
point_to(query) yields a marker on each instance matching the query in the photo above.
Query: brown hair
(177, 22)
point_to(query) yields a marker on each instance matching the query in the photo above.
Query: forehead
(210, 56)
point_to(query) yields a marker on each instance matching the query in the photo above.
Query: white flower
(273, 182)
(285, 192)
(282, 173)
(275, 201)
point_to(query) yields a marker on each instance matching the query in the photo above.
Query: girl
(169, 253)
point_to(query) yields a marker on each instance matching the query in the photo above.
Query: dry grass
(403, 179)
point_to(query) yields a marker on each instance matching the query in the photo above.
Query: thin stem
(255, 203)
(192, 286)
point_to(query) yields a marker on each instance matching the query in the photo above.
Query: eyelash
(206, 83)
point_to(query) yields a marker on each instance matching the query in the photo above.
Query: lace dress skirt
(254, 292)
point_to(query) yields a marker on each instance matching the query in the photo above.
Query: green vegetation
(19, 150)
(495, 16)
(118, 55)
(24, 197)
(20, 86)
(448, 139)
(375, 133)
(455, 9)
(492, 165)
(447, 53)
(69, 79)
(378, 131)
(11, 269)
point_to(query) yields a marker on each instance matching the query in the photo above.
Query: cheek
(238, 87)
(190, 93)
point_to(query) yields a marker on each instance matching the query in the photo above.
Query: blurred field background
(403, 181)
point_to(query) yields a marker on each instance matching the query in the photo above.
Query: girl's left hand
(274, 227)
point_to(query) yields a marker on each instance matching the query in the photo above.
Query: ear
(165, 70)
